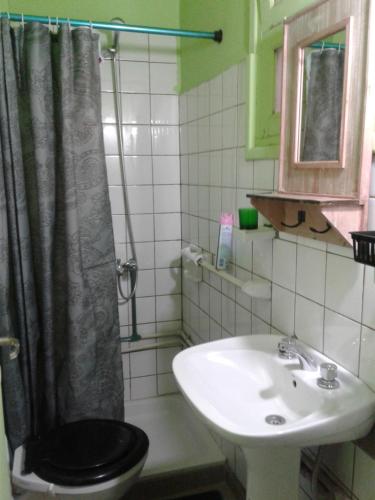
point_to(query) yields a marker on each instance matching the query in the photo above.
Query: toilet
(89, 459)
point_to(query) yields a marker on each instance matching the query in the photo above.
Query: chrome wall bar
(217, 36)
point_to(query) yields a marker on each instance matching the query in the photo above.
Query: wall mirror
(326, 123)
(321, 93)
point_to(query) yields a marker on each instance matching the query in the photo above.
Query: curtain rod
(217, 36)
(327, 45)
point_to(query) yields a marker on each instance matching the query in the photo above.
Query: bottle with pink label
(224, 248)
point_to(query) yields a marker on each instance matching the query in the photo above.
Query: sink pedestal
(272, 473)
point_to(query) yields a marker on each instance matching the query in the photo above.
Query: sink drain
(275, 420)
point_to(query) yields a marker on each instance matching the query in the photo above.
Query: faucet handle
(284, 347)
(328, 374)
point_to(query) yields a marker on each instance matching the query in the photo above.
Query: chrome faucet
(288, 349)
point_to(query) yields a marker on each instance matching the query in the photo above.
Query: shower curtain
(57, 274)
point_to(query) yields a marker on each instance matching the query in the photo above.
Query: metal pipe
(217, 36)
(157, 345)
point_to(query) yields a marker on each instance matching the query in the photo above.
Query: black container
(364, 247)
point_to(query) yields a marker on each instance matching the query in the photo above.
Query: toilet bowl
(91, 459)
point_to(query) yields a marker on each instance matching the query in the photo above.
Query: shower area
(139, 78)
(140, 124)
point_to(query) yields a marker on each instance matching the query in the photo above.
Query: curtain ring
(49, 24)
(57, 25)
(339, 48)
(69, 25)
(322, 48)
(8, 16)
(91, 25)
(22, 21)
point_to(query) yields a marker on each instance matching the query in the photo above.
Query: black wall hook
(323, 231)
(301, 217)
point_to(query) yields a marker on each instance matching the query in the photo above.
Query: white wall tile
(168, 307)
(203, 202)
(138, 170)
(168, 281)
(367, 364)
(113, 170)
(203, 134)
(309, 322)
(342, 340)
(146, 310)
(146, 283)
(166, 169)
(167, 227)
(311, 273)
(135, 109)
(203, 169)
(137, 139)
(168, 254)
(166, 384)
(116, 199)
(368, 317)
(165, 140)
(145, 255)
(135, 77)
(164, 110)
(243, 321)
(230, 128)
(165, 358)
(143, 227)
(142, 363)
(262, 258)
(229, 168)
(140, 199)
(344, 282)
(108, 108)
(216, 128)
(110, 140)
(228, 318)
(245, 170)
(283, 309)
(163, 78)
(166, 198)
(143, 387)
(284, 263)
(216, 160)
(106, 76)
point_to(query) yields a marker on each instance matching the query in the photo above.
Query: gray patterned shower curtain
(57, 275)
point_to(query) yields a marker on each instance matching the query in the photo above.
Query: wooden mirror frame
(347, 26)
(352, 182)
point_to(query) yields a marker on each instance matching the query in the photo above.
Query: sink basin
(235, 383)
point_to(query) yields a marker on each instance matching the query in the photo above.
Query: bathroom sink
(235, 384)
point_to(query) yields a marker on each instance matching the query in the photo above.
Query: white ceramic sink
(235, 383)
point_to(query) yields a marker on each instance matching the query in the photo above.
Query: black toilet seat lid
(88, 451)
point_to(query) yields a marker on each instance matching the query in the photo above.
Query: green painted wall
(147, 12)
(3, 5)
(201, 60)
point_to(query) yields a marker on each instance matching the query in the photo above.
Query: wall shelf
(326, 218)
(262, 233)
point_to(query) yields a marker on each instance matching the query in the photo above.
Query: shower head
(116, 35)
